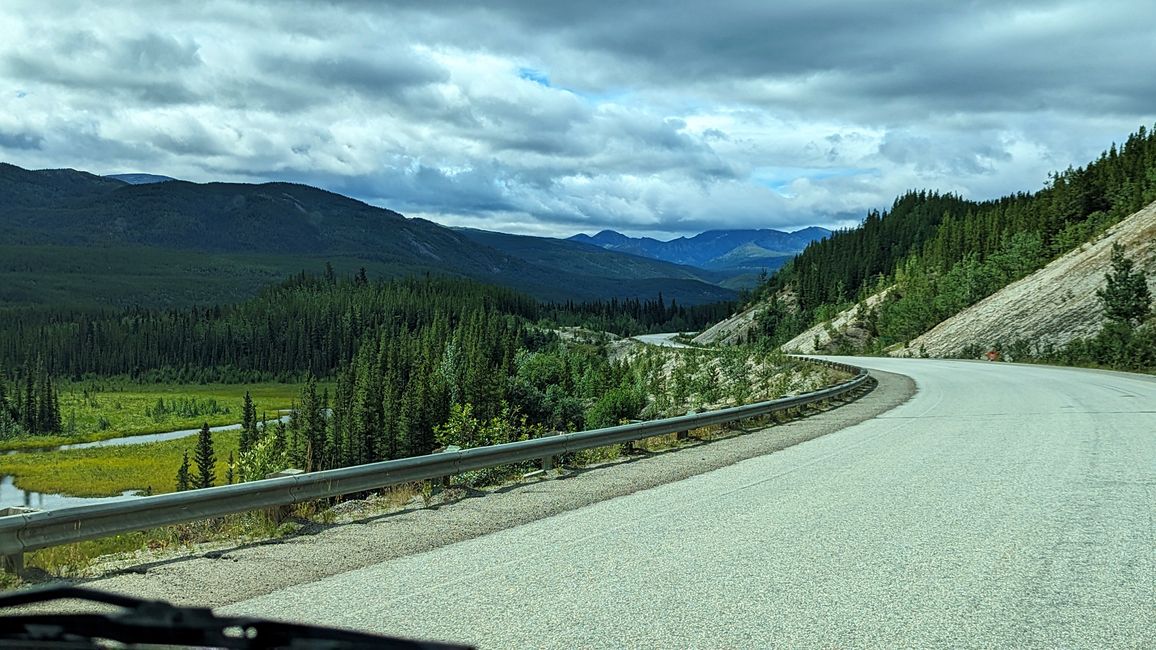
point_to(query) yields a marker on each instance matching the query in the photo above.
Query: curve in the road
(1002, 506)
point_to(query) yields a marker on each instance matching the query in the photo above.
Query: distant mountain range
(719, 250)
(70, 237)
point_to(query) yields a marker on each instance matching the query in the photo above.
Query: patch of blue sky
(537, 76)
(779, 179)
(610, 96)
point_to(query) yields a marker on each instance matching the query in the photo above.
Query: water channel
(11, 495)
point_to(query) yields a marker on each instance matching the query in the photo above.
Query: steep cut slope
(731, 331)
(1051, 306)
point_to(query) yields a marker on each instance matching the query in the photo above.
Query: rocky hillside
(730, 331)
(1051, 306)
(847, 329)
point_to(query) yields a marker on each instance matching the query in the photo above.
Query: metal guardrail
(36, 530)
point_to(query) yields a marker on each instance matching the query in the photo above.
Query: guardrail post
(281, 513)
(548, 461)
(449, 450)
(679, 436)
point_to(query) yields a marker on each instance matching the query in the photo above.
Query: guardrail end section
(14, 562)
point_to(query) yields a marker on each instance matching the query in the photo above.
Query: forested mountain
(174, 242)
(578, 257)
(941, 253)
(720, 250)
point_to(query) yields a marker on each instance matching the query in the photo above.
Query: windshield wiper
(157, 622)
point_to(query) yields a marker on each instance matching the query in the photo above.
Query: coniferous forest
(402, 355)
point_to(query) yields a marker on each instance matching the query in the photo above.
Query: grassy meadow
(109, 471)
(103, 409)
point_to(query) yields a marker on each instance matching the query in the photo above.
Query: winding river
(12, 495)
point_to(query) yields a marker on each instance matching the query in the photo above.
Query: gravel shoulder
(226, 574)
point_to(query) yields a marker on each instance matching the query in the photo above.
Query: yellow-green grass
(126, 408)
(74, 559)
(109, 471)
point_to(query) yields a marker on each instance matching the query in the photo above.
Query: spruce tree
(1125, 296)
(205, 459)
(230, 475)
(248, 424)
(183, 474)
(28, 408)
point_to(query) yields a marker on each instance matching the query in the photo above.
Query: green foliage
(205, 459)
(31, 406)
(632, 316)
(248, 423)
(184, 407)
(1128, 340)
(108, 471)
(617, 406)
(1118, 345)
(267, 455)
(184, 481)
(1125, 295)
(99, 409)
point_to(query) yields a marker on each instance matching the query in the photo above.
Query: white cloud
(551, 119)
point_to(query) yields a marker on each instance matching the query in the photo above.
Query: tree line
(31, 405)
(307, 325)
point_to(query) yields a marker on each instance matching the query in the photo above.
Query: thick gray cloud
(552, 118)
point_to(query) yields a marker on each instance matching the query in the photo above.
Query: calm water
(153, 437)
(11, 495)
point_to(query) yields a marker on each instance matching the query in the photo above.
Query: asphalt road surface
(1003, 506)
(661, 340)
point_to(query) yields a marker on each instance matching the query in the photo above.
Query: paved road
(661, 340)
(1002, 506)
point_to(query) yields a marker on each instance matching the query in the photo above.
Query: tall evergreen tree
(1125, 296)
(248, 424)
(5, 407)
(183, 480)
(28, 410)
(205, 459)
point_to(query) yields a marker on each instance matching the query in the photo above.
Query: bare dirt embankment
(1052, 306)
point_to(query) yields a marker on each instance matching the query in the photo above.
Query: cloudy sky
(561, 117)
